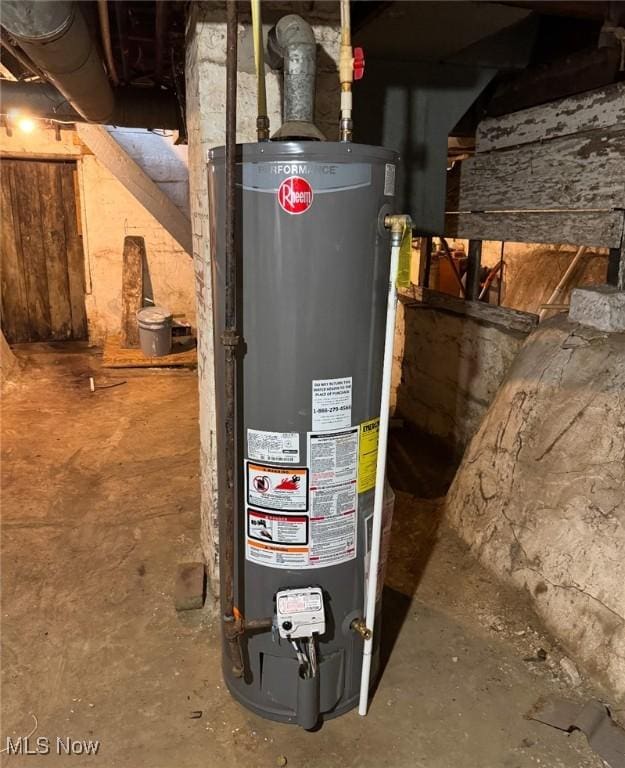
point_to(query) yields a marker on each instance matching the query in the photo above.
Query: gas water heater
(313, 256)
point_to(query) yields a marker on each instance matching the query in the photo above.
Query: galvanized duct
(134, 107)
(291, 45)
(56, 37)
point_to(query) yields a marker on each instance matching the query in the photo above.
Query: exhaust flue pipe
(291, 46)
(135, 107)
(56, 37)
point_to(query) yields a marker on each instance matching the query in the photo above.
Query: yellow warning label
(368, 454)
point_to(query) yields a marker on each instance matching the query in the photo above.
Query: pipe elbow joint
(292, 30)
(291, 47)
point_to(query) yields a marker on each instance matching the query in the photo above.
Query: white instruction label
(389, 180)
(333, 459)
(331, 403)
(276, 555)
(278, 447)
(333, 540)
(277, 488)
(271, 527)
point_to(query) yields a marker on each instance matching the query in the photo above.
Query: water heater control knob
(300, 612)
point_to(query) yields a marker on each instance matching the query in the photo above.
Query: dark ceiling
(567, 53)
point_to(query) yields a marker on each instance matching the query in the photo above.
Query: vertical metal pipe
(474, 265)
(230, 342)
(346, 73)
(262, 119)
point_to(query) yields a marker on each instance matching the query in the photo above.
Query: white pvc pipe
(380, 472)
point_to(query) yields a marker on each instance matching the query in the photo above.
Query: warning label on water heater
(278, 488)
(333, 459)
(277, 529)
(331, 403)
(324, 532)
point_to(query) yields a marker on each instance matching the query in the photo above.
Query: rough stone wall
(540, 494)
(108, 212)
(451, 369)
(206, 103)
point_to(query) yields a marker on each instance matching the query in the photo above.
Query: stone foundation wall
(540, 493)
(447, 369)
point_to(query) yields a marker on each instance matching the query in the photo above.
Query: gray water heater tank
(313, 258)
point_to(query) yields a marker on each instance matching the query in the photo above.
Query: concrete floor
(100, 502)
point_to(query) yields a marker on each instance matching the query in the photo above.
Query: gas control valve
(300, 613)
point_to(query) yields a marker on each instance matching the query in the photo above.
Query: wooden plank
(594, 110)
(14, 308)
(508, 319)
(20, 154)
(603, 229)
(53, 232)
(586, 70)
(584, 171)
(26, 194)
(137, 182)
(75, 254)
(183, 355)
(132, 289)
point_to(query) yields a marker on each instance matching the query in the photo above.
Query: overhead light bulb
(26, 124)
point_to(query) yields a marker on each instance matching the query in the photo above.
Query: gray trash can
(154, 331)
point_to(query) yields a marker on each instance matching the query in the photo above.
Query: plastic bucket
(154, 331)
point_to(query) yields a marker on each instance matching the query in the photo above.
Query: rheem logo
(295, 195)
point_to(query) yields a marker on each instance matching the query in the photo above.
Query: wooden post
(132, 289)
(425, 261)
(474, 266)
(616, 267)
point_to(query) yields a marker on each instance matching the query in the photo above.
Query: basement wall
(108, 213)
(206, 103)
(539, 496)
(447, 369)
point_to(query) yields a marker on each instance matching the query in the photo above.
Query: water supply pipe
(262, 119)
(57, 39)
(291, 46)
(346, 73)
(398, 225)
